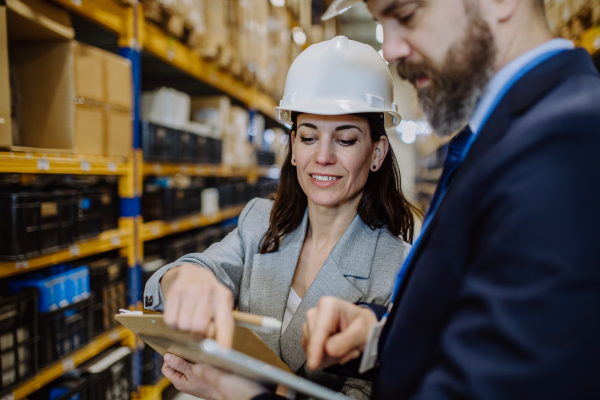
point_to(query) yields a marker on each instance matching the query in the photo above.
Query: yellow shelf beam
(153, 392)
(590, 40)
(158, 229)
(172, 51)
(40, 163)
(222, 171)
(66, 364)
(109, 14)
(107, 241)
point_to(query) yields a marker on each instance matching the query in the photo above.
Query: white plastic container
(167, 107)
(210, 201)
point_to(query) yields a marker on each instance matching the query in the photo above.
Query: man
(500, 297)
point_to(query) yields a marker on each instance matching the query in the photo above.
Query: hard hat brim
(336, 107)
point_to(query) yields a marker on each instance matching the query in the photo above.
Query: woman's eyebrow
(344, 127)
(308, 125)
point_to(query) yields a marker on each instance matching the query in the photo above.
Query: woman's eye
(307, 140)
(347, 142)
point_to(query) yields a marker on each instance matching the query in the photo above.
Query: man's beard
(449, 101)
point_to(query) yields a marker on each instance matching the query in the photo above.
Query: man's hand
(335, 332)
(196, 301)
(206, 382)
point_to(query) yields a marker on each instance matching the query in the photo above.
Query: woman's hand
(208, 383)
(196, 301)
(335, 332)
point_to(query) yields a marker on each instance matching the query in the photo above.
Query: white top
(290, 309)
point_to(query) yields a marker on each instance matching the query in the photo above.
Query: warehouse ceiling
(357, 24)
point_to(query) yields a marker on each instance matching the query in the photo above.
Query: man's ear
(503, 10)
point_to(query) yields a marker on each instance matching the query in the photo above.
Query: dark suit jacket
(502, 298)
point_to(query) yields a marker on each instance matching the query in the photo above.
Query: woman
(339, 225)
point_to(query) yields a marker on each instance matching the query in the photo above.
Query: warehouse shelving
(41, 163)
(54, 371)
(106, 241)
(153, 392)
(590, 40)
(221, 171)
(158, 229)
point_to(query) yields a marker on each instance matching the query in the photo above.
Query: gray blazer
(361, 267)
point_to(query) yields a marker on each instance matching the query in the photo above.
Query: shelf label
(76, 2)
(157, 169)
(28, 156)
(114, 336)
(174, 226)
(195, 221)
(43, 165)
(183, 169)
(21, 264)
(597, 42)
(115, 241)
(199, 170)
(155, 231)
(213, 218)
(68, 364)
(74, 250)
(86, 166)
(112, 167)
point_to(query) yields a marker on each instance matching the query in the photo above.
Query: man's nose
(395, 46)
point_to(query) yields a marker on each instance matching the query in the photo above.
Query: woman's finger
(223, 304)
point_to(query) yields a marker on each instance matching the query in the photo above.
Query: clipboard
(244, 340)
(207, 351)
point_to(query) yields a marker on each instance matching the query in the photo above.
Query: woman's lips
(324, 183)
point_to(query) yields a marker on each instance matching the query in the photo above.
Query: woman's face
(333, 155)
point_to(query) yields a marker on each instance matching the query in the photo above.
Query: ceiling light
(409, 132)
(299, 36)
(379, 33)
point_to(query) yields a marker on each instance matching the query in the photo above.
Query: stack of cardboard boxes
(58, 95)
(570, 18)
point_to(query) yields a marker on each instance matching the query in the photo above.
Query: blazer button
(149, 301)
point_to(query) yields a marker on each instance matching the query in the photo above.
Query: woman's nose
(325, 153)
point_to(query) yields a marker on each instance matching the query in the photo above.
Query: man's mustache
(413, 71)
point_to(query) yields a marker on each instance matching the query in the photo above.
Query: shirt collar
(504, 76)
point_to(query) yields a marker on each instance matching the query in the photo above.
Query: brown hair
(382, 205)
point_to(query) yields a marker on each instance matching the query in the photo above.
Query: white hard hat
(336, 77)
(338, 7)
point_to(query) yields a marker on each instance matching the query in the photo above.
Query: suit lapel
(351, 256)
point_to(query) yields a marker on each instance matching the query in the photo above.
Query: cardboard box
(118, 85)
(119, 134)
(88, 72)
(38, 35)
(90, 125)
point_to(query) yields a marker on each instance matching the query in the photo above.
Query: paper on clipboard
(244, 339)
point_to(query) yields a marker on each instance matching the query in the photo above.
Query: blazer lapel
(272, 276)
(351, 256)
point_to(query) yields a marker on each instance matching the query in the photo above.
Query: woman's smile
(324, 181)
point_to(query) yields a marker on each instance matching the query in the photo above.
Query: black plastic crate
(265, 157)
(226, 196)
(160, 143)
(110, 208)
(112, 381)
(152, 363)
(35, 223)
(108, 284)
(18, 335)
(65, 331)
(165, 204)
(214, 150)
(89, 213)
(67, 388)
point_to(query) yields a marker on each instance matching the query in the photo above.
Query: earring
(373, 167)
(294, 160)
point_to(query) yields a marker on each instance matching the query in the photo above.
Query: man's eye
(405, 19)
(307, 140)
(347, 142)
